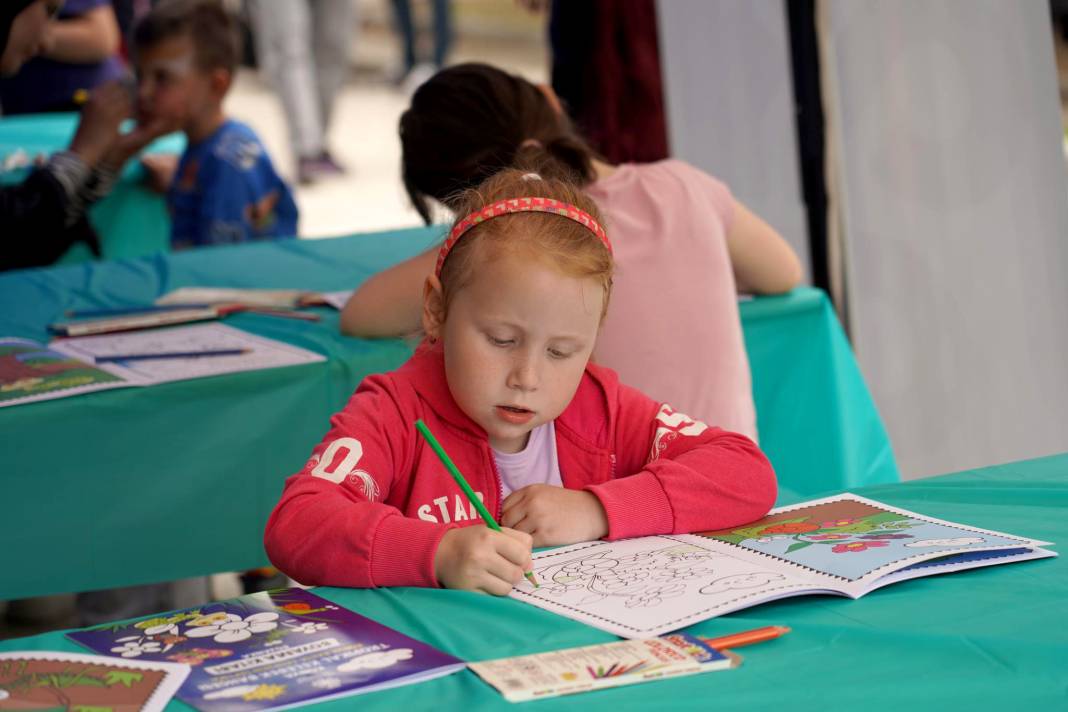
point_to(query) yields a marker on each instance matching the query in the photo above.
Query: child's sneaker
(313, 167)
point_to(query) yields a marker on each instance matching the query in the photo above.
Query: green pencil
(447, 461)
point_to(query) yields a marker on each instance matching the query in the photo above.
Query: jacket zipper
(500, 489)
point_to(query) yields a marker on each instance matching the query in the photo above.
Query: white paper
(226, 295)
(644, 587)
(263, 352)
(337, 299)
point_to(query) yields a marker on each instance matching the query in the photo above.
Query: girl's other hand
(477, 558)
(108, 106)
(554, 516)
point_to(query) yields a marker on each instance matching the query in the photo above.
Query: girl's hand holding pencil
(483, 559)
(478, 558)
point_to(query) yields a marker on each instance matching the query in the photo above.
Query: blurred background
(363, 134)
(914, 153)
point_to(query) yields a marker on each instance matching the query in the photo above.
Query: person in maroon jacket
(557, 449)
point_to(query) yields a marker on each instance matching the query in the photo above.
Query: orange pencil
(749, 637)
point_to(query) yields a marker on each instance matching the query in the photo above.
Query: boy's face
(172, 87)
(516, 340)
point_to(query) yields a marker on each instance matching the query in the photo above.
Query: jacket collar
(425, 370)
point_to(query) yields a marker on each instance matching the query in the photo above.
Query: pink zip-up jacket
(372, 504)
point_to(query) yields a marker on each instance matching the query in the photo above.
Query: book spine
(145, 321)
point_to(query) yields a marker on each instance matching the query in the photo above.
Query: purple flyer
(272, 650)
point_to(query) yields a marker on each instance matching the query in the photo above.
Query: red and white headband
(519, 205)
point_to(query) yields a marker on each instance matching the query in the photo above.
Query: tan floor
(363, 136)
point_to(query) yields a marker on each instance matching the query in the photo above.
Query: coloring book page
(860, 540)
(846, 545)
(31, 372)
(261, 352)
(641, 588)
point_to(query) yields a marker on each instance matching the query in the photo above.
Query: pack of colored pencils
(595, 667)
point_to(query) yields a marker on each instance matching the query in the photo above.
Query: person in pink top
(684, 245)
(554, 445)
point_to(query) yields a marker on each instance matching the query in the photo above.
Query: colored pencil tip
(530, 577)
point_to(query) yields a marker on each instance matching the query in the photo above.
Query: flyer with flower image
(46, 680)
(272, 650)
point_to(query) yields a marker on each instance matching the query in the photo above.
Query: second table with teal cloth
(139, 485)
(993, 638)
(131, 221)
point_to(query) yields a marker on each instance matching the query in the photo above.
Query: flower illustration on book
(790, 528)
(234, 628)
(207, 619)
(308, 628)
(195, 656)
(855, 546)
(134, 645)
(654, 596)
(835, 523)
(376, 661)
(828, 537)
(300, 608)
(168, 628)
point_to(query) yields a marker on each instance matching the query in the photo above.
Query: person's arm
(88, 38)
(33, 221)
(677, 475)
(41, 218)
(390, 303)
(763, 262)
(332, 525)
(125, 145)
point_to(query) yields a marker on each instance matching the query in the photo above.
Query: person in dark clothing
(44, 215)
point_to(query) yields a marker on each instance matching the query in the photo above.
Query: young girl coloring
(557, 449)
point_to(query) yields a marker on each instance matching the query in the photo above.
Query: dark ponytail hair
(469, 121)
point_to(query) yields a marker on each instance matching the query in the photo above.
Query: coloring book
(845, 545)
(30, 371)
(272, 650)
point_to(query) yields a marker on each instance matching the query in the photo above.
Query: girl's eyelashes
(558, 354)
(500, 342)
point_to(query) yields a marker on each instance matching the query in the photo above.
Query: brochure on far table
(272, 650)
(279, 298)
(30, 371)
(46, 680)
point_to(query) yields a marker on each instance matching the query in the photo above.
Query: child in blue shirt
(225, 188)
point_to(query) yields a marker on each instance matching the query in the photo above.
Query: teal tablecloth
(147, 484)
(986, 639)
(131, 221)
